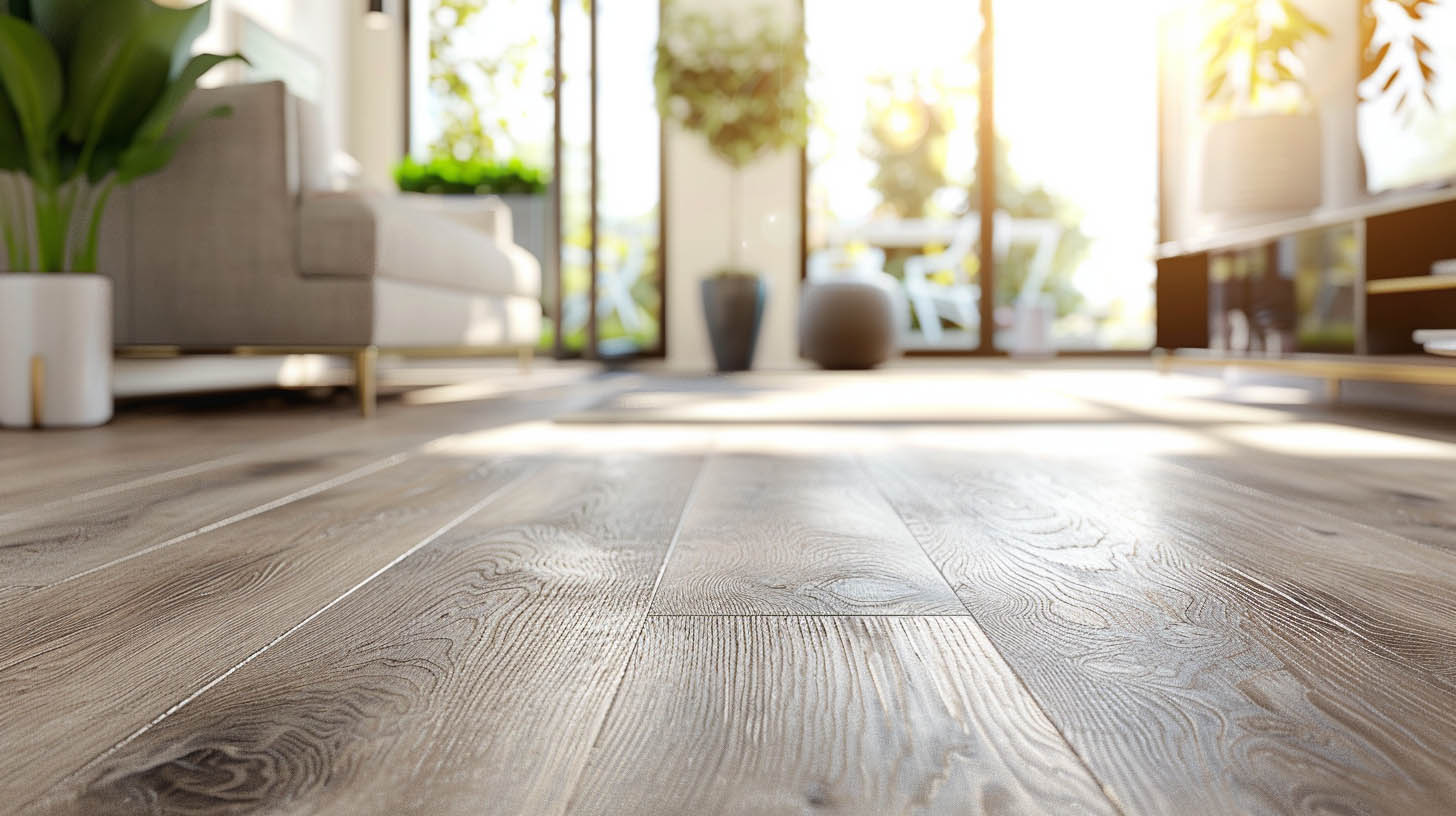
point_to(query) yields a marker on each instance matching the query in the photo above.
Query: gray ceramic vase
(733, 306)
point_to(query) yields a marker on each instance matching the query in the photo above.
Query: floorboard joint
(600, 727)
(459, 519)
(1102, 785)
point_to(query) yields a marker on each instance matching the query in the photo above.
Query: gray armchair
(238, 246)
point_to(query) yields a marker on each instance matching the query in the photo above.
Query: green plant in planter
(1254, 61)
(451, 176)
(88, 94)
(744, 93)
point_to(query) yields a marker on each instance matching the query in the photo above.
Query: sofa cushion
(413, 315)
(363, 235)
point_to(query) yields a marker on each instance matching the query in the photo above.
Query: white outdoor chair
(959, 300)
(617, 273)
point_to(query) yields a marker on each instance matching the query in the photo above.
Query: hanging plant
(743, 93)
(88, 94)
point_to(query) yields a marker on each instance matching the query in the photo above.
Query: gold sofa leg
(524, 357)
(366, 362)
(37, 391)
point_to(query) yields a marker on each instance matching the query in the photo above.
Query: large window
(893, 156)
(483, 74)
(1076, 128)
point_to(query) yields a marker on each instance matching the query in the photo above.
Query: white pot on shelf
(1257, 165)
(55, 350)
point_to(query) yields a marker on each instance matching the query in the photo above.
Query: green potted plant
(454, 184)
(88, 95)
(1262, 147)
(744, 94)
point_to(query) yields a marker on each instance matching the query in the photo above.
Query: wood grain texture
(54, 543)
(1394, 595)
(1186, 686)
(58, 539)
(85, 663)
(796, 535)
(472, 680)
(50, 467)
(1413, 498)
(858, 715)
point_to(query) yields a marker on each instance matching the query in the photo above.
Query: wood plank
(140, 450)
(853, 715)
(796, 535)
(1185, 686)
(45, 466)
(58, 540)
(1412, 498)
(478, 670)
(1396, 595)
(85, 663)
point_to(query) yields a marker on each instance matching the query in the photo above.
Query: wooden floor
(962, 589)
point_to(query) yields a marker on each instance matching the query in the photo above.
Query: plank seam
(641, 627)
(303, 493)
(1031, 697)
(951, 615)
(475, 508)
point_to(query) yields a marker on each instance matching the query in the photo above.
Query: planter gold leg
(365, 364)
(524, 357)
(37, 391)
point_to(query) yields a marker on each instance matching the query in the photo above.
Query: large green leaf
(59, 20)
(154, 127)
(123, 57)
(12, 142)
(146, 157)
(30, 75)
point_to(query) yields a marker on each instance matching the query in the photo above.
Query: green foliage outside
(911, 170)
(471, 128)
(88, 95)
(445, 175)
(908, 144)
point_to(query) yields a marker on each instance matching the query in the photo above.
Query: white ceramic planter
(55, 333)
(1263, 164)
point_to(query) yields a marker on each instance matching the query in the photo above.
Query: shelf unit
(1414, 283)
(1393, 293)
(1412, 369)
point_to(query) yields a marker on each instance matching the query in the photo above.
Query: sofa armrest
(488, 214)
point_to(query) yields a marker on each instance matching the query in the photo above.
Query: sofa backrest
(219, 217)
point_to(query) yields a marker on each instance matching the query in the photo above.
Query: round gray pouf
(847, 324)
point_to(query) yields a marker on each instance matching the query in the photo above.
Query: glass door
(1076, 174)
(892, 157)
(565, 86)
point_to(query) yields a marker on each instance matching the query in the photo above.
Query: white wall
(361, 95)
(698, 228)
(374, 131)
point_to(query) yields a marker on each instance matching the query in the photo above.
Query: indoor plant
(88, 93)
(744, 93)
(1262, 148)
(521, 186)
